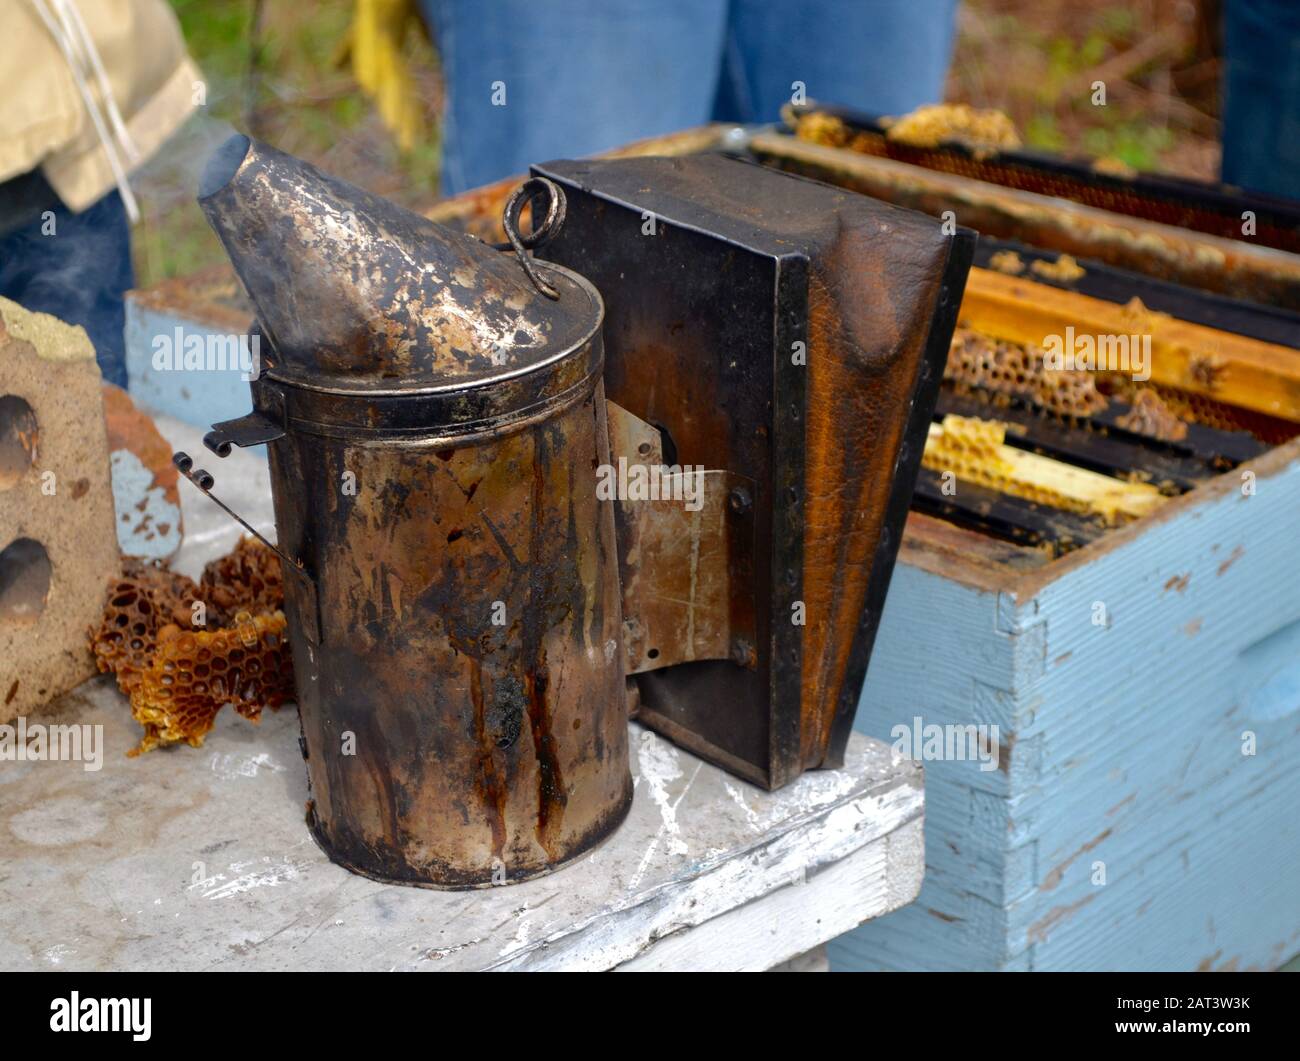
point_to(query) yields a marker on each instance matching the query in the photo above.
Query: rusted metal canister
(434, 420)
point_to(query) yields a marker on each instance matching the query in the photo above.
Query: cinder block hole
(18, 433)
(24, 581)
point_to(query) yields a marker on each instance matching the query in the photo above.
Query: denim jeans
(1261, 96)
(77, 268)
(533, 80)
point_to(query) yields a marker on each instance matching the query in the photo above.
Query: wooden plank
(980, 562)
(1229, 368)
(872, 881)
(1226, 265)
(199, 858)
(1099, 280)
(1005, 516)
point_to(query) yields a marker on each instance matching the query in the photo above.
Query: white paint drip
(522, 935)
(751, 816)
(231, 765)
(659, 764)
(268, 875)
(815, 789)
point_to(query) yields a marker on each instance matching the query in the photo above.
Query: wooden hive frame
(1236, 369)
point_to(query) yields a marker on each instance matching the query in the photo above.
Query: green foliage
(1137, 143)
(217, 34)
(1056, 88)
(1043, 132)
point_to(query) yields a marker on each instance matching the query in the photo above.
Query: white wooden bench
(200, 859)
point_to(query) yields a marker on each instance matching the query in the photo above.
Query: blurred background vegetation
(273, 69)
(1037, 60)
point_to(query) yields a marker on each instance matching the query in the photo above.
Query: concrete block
(58, 546)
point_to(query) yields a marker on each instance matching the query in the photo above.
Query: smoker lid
(354, 291)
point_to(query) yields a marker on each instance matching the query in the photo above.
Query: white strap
(69, 32)
(72, 21)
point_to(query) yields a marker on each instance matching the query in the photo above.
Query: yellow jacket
(44, 119)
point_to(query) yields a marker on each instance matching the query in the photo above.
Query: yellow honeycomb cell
(975, 450)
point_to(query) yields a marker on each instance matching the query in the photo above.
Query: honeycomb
(178, 678)
(1193, 408)
(1065, 270)
(1114, 195)
(145, 598)
(984, 131)
(978, 362)
(1007, 261)
(819, 128)
(247, 579)
(974, 450)
(971, 449)
(194, 674)
(984, 366)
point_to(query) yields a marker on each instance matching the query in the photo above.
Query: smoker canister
(434, 416)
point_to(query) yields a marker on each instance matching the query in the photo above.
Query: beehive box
(1126, 826)
(1145, 687)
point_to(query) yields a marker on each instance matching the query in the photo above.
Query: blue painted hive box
(187, 347)
(1139, 701)
(1111, 732)
(1143, 811)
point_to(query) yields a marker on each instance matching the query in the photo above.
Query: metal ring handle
(542, 231)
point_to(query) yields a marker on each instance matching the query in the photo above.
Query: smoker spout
(223, 165)
(352, 288)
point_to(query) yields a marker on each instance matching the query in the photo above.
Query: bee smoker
(433, 411)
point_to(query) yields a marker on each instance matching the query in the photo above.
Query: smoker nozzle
(350, 287)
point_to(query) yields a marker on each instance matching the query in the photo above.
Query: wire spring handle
(542, 231)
